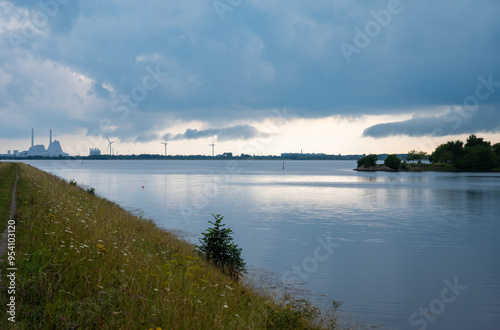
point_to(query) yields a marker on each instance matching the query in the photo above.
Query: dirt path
(4, 239)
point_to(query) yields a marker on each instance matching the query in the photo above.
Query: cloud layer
(241, 132)
(86, 65)
(453, 122)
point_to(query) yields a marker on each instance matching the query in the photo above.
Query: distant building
(38, 150)
(54, 149)
(228, 154)
(95, 152)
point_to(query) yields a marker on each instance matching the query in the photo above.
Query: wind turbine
(165, 143)
(109, 145)
(213, 145)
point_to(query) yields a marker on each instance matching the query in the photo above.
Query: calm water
(386, 244)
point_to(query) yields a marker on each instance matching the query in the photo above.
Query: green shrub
(478, 158)
(73, 182)
(217, 246)
(393, 162)
(91, 191)
(292, 315)
(368, 161)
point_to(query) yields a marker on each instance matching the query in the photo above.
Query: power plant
(54, 149)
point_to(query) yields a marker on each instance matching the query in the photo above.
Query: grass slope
(7, 180)
(84, 262)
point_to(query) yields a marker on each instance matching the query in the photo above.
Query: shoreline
(415, 167)
(65, 236)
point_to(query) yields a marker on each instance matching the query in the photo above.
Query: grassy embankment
(7, 179)
(84, 262)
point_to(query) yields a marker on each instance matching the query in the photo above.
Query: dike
(84, 262)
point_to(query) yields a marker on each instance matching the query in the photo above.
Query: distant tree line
(475, 155)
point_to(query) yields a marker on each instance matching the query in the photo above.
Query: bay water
(400, 250)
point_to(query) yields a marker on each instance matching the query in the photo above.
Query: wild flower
(102, 248)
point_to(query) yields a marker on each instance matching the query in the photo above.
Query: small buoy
(142, 187)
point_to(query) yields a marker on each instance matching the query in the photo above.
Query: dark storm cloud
(242, 132)
(263, 55)
(453, 122)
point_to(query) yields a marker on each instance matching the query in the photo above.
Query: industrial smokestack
(50, 137)
(32, 137)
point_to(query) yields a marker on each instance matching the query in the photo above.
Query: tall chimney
(32, 137)
(50, 136)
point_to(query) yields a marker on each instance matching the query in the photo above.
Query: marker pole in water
(283, 165)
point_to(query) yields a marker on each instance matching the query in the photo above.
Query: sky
(252, 76)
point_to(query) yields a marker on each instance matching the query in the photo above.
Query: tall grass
(84, 262)
(7, 179)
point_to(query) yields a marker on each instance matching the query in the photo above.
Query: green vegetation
(217, 246)
(414, 155)
(393, 162)
(476, 155)
(416, 167)
(84, 262)
(7, 179)
(368, 161)
(496, 149)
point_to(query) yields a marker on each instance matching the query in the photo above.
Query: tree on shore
(474, 141)
(478, 158)
(448, 153)
(414, 155)
(368, 161)
(393, 162)
(476, 155)
(217, 246)
(496, 149)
